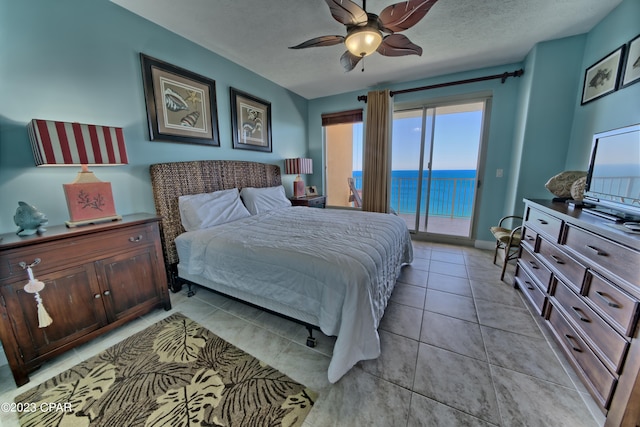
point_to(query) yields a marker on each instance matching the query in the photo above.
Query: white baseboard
(485, 244)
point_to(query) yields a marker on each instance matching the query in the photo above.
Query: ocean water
(452, 192)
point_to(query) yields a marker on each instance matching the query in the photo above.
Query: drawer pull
(106, 293)
(597, 251)
(608, 301)
(558, 260)
(572, 342)
(97, 296)
(529, 285)
(24, 265)
(534, 265)
(135, 239)
(579, 314)
(542, 221)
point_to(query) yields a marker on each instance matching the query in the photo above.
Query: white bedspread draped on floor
(337, 266)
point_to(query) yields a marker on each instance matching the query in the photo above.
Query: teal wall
(618, 109)
(74, 60)
(78, 61)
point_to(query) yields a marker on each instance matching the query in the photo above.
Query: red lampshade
(298, 166)
(61, 143)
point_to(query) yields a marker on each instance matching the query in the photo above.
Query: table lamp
(298, 166)
(54, 143)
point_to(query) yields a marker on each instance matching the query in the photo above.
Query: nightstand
(309, 201)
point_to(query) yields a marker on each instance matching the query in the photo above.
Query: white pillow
(198, 211)
(258, 200)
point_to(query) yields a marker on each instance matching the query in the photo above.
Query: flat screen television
(613, 178)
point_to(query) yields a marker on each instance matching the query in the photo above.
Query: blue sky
(457, 139)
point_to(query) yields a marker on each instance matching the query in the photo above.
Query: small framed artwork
(602, 77)
(250, 122)
(631, 73)
(181, 105)
(311, 190)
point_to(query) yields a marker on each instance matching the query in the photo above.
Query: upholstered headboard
(172, 180)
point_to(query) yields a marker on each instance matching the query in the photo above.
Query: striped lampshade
(298, 166)
(60, 143)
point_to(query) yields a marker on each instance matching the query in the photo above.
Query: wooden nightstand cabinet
(96, 278)
(309, 201)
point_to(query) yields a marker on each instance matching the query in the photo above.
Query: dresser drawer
(615, 305)
(68, 251)
(536, 268)
(561, 263)
(597, 377)
(606, 254)
(529, 237)
(529, 288)
(607, 343)
(543, 223)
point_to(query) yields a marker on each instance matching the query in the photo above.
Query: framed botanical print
(250, 122)
(181, 105)
(602, 77)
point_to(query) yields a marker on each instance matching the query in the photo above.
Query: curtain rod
(502, 76)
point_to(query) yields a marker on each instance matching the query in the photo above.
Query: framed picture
(311, 190)
(602, 77)
(631, 72)
(181, 105)
(250, 122)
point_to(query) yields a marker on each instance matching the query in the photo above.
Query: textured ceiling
(456, 35)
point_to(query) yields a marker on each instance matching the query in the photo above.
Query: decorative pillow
(560, 184)
(198, 211)
(258, 200)
(577, 188)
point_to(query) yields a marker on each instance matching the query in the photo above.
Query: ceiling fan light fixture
(363, 41)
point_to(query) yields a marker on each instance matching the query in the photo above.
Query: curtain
(376, 184)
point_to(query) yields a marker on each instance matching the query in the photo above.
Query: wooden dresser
(96, 278)
(583, 276)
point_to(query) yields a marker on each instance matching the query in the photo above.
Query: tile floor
(459, 348)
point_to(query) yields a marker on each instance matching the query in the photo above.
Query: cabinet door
(129, 283)
(69, 296)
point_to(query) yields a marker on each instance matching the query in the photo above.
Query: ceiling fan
(364, 30)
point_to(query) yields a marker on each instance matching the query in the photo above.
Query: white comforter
(338, 265)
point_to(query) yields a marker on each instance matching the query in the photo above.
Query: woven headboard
(172, 180)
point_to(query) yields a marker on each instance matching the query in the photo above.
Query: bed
(330, 268)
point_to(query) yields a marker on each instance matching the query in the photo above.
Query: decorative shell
(577, 188)
(560, 184)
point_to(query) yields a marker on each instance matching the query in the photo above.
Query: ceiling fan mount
(365, 30)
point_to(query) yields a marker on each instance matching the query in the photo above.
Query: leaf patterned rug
(174, 373)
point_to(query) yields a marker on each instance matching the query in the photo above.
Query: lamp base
(72, 224)
(298, 189)
(89, 201)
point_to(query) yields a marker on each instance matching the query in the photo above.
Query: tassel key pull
(34, 286)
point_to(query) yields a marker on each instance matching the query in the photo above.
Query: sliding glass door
(436, 152)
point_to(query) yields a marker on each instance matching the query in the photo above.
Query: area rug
(174, 373)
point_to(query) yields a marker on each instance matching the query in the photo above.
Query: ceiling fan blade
(398, 45)
(401, 16)
(347, 12)
(349, 60)
(320, 41)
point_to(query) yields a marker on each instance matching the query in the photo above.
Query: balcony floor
(440, 225)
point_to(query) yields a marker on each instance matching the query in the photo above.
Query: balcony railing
(450, 197)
